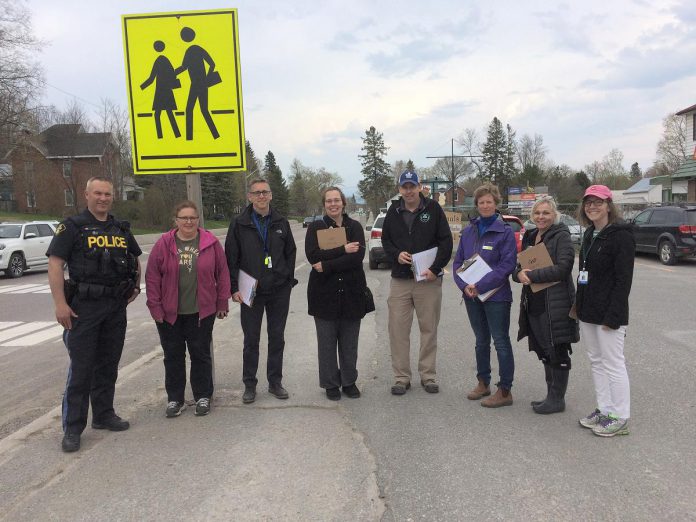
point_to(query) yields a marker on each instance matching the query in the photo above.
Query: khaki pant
(425, 297)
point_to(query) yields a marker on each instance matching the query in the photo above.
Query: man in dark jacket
(260, 243)
(415, 224)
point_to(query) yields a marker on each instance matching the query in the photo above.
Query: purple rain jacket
(498, 248)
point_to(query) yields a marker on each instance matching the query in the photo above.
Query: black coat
(609, 263)
(559, 297)
(245, 250)
(430, 229)
(338, 292)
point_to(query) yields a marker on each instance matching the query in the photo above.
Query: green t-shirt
(188, 279)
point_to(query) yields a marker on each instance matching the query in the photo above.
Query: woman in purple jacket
(188, 286)
(491, 238)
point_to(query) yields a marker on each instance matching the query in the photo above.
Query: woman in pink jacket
(188, 286)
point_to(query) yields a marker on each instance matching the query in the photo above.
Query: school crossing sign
(184, 85)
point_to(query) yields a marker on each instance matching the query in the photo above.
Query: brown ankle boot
(481, 390)
(502, 397)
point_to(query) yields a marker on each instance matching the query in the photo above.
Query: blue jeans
(492, 318)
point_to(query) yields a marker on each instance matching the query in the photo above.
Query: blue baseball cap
(408, 176)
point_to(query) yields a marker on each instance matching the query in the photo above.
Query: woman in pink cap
(604, 283)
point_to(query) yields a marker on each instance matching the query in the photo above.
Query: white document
(475, 269)
(247, 287)
(422, 261)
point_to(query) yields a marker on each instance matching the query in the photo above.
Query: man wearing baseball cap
(414, 224)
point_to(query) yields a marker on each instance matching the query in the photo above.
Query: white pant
(605, 348)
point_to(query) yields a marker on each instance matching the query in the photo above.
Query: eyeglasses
(333, 201)
(188, 219)
(593, 203)
(258, 193)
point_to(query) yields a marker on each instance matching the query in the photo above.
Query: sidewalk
(298, 459)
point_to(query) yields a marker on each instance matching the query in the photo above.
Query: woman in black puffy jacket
(544, 315)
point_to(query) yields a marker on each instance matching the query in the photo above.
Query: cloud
(569, 33)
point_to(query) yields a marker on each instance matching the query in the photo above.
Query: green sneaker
(611, 425)
(592, 420)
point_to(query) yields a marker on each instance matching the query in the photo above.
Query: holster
(70, 290)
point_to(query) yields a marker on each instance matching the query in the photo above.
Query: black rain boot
(547, 372)
(555, 402)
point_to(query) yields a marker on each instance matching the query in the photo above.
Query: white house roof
(642, 185)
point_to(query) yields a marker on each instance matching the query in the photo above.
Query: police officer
(104, 270)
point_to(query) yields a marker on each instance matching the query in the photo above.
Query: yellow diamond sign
(185, 92)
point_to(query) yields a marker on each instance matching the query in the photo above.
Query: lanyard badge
(583, 277)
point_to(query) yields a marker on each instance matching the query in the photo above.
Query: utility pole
(452, 156)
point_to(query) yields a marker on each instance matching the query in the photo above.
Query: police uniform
(102, 264)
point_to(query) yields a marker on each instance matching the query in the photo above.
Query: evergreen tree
(377, 185)
(410, 166)
(495, 153)
(636, 173)
(275, 179)
(298, 190)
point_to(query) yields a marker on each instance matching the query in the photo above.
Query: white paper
(474, 273)
(247, 287)
(422, 261)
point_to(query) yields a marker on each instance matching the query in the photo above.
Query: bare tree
(531, 152)
(114, 119)
(671, 149)
(471, 146)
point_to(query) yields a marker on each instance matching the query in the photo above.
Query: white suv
(375, 251)
(24, 245)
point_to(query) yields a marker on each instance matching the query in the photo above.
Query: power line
(70, 94)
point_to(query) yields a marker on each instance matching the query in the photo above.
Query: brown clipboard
(331, 238)
(533, 258)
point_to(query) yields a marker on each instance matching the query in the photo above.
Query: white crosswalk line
(8, 324)
(13, 288)
(36, 338)
(39, 289)
(24, 329)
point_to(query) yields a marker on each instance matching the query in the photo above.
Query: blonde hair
(547, 200)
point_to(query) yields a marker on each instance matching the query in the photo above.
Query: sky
(588, 76)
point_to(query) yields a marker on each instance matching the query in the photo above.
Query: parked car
(576, 229)
(375, 251)
(517, 228)
(310, 219)
(669, 232)
(23, 246)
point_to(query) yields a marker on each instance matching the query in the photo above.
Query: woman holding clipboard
(493, 240)
(547, 296)
(337, 294)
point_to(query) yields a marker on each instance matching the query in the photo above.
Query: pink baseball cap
(599, 191)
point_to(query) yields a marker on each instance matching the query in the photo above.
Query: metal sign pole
(195, 194)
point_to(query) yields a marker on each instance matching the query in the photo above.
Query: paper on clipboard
(247, 287)
(472, 271)
(536, 257)
(421, 261)
(331, 238)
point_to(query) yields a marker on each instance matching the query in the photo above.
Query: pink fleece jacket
(162, 277)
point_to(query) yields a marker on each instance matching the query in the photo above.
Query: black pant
(556, 356)
(94, 344)
(342, 334)
(174, 339)
(276, 306)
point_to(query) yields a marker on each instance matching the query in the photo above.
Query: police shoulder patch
(60, 228)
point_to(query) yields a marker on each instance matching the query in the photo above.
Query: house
(50, 169)
(642, 192)
(681, 185)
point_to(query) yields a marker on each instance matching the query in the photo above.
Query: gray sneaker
(591, 420)
(174, 408)
(611, 425)
(203, 406)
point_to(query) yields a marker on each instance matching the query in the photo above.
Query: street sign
(184, 82)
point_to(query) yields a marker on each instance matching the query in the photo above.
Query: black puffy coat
(338, 291)
(609, 263)
(559, 297)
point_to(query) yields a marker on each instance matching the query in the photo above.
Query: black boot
(547, 372)
(555, 402)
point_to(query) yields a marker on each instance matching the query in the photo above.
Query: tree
(671, 149)
(636, 173)
(298, 190)
(471, 146)
(275, 179)
(498, 156)
(377, 185)
(531, 152)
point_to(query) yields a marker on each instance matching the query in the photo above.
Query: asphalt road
(416, 457)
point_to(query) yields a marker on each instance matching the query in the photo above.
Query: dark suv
(669, 232)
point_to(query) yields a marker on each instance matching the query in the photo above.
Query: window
(31, 199)
(665, 217)
(455, 195)
(69, 199)
(44, 230)
(642, 218)
(693, 126)
(67, 169)
(31, 229)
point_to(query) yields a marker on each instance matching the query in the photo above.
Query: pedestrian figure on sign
(163, 73)
(194, 62)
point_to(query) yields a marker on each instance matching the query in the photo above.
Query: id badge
(583, 277)
(268, 262)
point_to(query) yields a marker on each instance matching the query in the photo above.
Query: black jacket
(609, 262)
(245, 250)
(338, 292)
(430, 229)
(559, 297)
